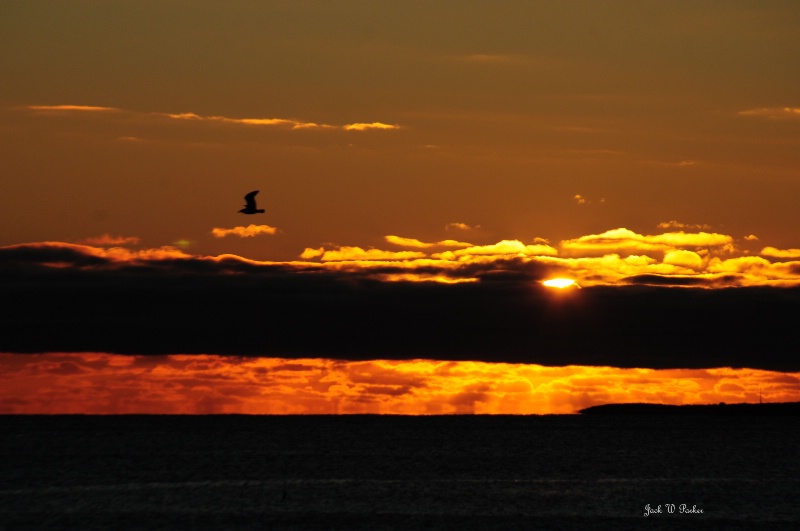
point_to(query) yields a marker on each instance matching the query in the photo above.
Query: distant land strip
(771, 408)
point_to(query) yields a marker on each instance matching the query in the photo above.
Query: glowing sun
(560, 283)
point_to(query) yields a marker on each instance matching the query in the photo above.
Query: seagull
(250, 204)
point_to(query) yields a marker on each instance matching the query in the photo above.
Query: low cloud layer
(365, 305)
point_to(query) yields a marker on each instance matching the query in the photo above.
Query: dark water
(386, 472)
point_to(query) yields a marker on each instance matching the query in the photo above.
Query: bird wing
(250, 200)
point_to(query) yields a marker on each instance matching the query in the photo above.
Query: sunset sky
(424, 167)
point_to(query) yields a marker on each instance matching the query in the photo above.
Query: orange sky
(180, 384)
(359, 120)
(616, 144)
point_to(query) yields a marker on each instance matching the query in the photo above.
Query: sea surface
(396, 472)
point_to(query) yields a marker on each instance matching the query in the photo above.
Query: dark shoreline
(771, 408)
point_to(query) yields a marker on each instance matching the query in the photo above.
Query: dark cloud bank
(237, 308)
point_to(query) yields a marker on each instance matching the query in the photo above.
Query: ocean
(399, 472)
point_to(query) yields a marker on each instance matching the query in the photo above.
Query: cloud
(107, 239)
(460, 226)
(72, 108)
(292, 124)
(287, 123)
(682, 258)
(779, 113)
(623, 239)
(502, 248)
(407, 242)
(244, 232)
(678, 225)
(347, 253)
(583, 200)
(366, 127)
(413, 242)
(780, 253)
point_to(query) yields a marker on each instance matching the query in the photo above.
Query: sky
(424, 168)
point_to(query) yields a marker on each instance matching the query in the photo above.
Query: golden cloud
(407, 242)
(413, 242)
(502, 248)
(623, 239)
(674, 258)
(346, 253)
(682, 258)
(780, 253)
(366, 127)
(244, 232)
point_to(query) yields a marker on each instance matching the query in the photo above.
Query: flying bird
(250, 204)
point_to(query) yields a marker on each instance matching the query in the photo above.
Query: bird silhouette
(250, 204)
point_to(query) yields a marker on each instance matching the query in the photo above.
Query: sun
(561, 283)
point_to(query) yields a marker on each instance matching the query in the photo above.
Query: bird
(250, 204)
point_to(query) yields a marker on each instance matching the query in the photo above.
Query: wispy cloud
(287, 123)
(244, 232)
(72, 108)
(366, 127)
(107, 239)
(413, 242)
(461, 226)
(785, 113)
(351, 254)
(672, 224)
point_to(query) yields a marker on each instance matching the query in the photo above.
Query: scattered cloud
(751, 237)
(244, 232)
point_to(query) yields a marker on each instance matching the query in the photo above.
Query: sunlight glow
(560, 283)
